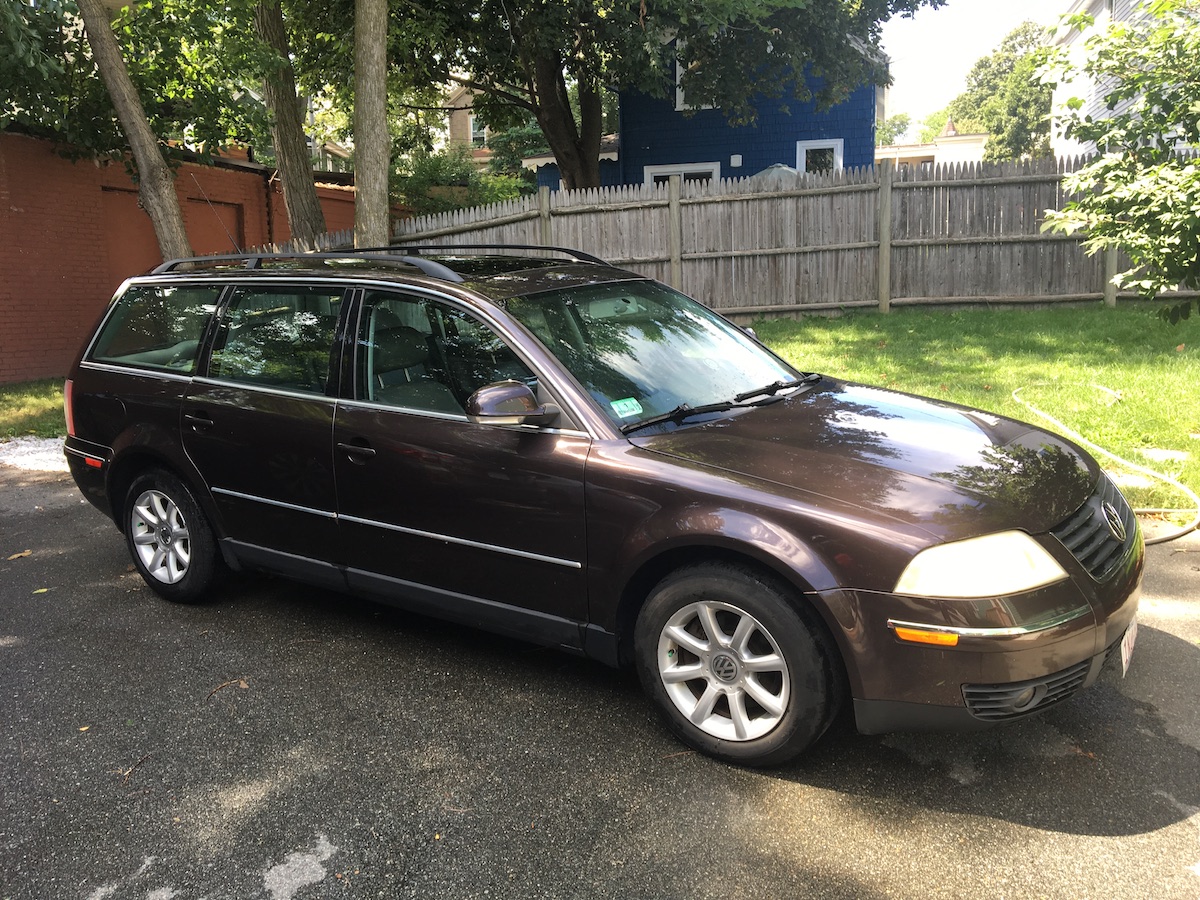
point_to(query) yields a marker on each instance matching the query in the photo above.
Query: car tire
(169, 538)
(736, 668)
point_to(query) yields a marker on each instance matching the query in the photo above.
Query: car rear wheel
(170, 540)
(735, 668)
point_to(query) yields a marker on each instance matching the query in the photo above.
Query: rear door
(259, 425)
(477, 523)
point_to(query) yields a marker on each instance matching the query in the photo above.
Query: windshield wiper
(678, 414)
(684, 410)
(776, 386)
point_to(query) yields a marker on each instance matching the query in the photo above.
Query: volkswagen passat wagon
(574, 455)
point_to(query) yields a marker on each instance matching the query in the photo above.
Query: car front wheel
(735, 668)
(170, 540)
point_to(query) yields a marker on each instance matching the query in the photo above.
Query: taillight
(68, 413)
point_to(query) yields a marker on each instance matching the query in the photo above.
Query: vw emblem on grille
(724, 667)
(1113, 518)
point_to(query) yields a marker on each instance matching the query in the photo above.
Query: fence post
(1110, 272)
(547, 233)
(884, 213)
(675, 214)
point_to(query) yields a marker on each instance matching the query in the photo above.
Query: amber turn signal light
(920, 636)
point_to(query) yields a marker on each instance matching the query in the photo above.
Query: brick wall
(70, 233)
(38, 290)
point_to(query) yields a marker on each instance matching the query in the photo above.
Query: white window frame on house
(837, 145)
(471, 120)
(711, 169)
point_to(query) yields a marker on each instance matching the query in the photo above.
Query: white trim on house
(543, 159)
(1105, 13)
(687, 171)
(942, 150)
(837, 145)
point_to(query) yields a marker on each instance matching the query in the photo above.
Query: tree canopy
(51, 85)
(1005, 97)
(198, 64)
(892, 129)
(1141, 193)
(524, 56)
(189, 61)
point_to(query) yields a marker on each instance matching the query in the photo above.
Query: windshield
(643, 350)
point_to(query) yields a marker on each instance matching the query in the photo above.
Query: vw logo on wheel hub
(724, 667)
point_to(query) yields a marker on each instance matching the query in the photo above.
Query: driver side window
(417, 353)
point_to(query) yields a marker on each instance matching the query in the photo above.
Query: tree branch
(419, 108)
(495, 91)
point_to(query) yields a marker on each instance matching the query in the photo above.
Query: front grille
(1088, 537)
(1004, 701)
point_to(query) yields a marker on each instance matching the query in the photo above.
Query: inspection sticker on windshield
(626, 408)
(1127, 646)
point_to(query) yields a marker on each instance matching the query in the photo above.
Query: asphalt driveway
(285, 742)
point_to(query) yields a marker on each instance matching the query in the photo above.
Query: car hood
(953, 471)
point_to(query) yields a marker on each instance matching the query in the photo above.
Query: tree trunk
(372, 158)
(591, 130)
(156, 183)
(578, 156)
(305, 217)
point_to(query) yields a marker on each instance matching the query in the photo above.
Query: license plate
(1127, 646)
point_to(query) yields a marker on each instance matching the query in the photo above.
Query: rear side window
(156, 328)
(280, 338)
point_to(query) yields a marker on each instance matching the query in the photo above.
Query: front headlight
(990, 566)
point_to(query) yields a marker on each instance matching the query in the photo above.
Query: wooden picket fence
(872, 237)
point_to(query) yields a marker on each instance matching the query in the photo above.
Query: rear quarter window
(156, 328)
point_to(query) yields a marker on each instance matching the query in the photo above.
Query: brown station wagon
(554, 449)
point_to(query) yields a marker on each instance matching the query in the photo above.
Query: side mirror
(509, 403)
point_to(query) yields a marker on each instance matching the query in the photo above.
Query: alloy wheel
(723, 671)
(160, 537)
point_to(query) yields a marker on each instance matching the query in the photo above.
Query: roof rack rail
(417, 249)
(429, 267)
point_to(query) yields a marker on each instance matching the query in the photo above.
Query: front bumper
(1013, 656)
(985, 705)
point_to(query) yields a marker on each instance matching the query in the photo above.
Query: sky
(932, 52)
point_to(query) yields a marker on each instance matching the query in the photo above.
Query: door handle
(358, 453)
(200, 421)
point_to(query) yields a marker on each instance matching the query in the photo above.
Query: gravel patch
(34, 454)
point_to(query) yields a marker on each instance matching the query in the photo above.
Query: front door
(478, 523)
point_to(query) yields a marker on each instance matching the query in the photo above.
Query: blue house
(661, 137)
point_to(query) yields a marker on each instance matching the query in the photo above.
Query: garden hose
(1078, 438)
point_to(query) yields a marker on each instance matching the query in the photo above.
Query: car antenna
(236, 248)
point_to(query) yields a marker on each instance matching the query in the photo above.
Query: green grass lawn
(32, 408)
(1120, 377)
